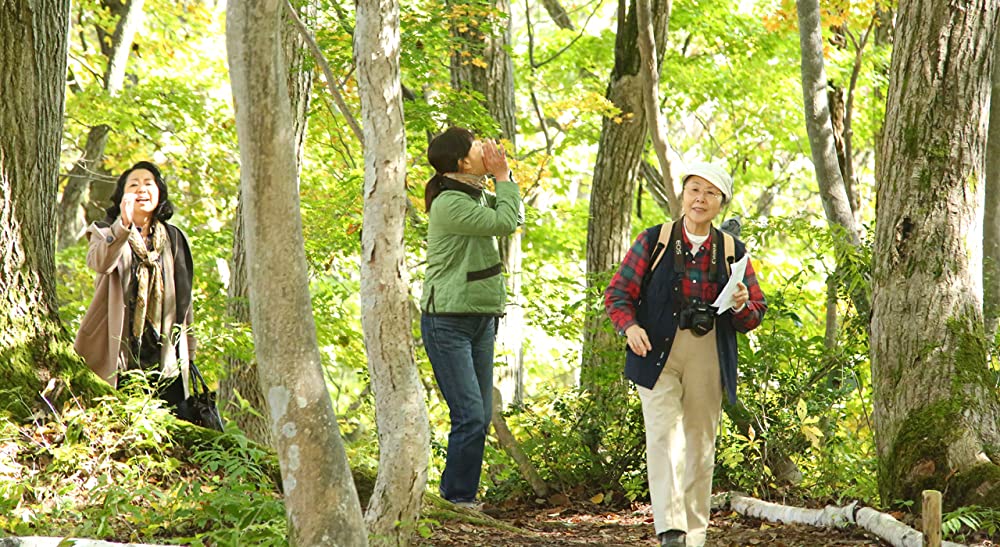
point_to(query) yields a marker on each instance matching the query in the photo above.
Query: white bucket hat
(713, 173)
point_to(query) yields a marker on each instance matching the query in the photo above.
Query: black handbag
(200, 408)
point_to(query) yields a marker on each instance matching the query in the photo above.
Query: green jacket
(464, 270)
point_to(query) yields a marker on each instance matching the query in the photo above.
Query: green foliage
(113, 471)
(552, 424)
(960, 524)
(730, 89)
(804, 399)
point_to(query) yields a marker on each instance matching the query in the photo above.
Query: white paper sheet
(725, 299)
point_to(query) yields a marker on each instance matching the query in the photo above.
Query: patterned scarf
(149, 277)
(476, 181)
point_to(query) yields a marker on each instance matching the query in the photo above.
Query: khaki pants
(681, 414)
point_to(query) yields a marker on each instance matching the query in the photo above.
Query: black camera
(697, 316)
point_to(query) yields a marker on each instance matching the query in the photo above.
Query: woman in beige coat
(141, 314)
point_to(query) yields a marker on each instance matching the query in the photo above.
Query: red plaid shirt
(622, 294)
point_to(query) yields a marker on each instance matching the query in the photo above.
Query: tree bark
(615, 173)
(320, 498)
(493, 77)
(991, 212)
(650, 77)
(403, 430)
(242, 376)
(33, 50)
(558, 14)
(495, 80)
(936, 411)
(822, 142)
(76, 194)
(883, 525)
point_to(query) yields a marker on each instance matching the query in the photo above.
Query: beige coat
(102, 340)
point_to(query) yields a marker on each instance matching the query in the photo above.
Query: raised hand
(127, 205)
(495, 160)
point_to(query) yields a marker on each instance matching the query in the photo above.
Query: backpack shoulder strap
(661, 245)
(730, 248)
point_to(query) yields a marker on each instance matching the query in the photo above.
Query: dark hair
(164, 209)
(443, 153)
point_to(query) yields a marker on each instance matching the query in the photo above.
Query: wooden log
(828, 517)
(881, 524)
(930, 511)
(510, 445)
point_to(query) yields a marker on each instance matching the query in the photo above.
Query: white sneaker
(472, 505)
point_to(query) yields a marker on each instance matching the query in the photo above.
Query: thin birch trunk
(320, 498)
(403, 429)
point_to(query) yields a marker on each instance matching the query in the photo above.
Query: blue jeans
(460, 349)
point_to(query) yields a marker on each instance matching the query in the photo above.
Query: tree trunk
(615, 173)
(650, 77)
(33, 50)
(991, 213)
(320, 498)
(403, 431)
(819, 126)
(76, 194)
(935, 408)
(242, 376)
(558, 14)
(494, 79)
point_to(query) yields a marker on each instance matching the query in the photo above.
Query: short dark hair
(443, 153)
(164, 209)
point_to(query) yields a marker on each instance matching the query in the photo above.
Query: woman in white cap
(681, 350)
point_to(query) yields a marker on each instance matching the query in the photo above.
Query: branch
(509, 444)
(650, 77)
(849, 106)
(571, 42)
(331, 82)
(558, 14)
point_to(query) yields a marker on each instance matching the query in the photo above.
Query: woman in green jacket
(464, 292)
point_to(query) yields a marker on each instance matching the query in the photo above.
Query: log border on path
(881, 524)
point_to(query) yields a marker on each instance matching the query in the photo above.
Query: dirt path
(630, 527)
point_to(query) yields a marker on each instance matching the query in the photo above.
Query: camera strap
(677, 244)
(729, 247)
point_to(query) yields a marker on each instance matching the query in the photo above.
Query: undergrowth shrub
(113, 472)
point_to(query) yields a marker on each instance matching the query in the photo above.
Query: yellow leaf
(598, 498)
(751, 433)
(812, 433)
(479, 62)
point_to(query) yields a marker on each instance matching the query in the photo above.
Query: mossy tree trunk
(991, 213)
(937, 414)
(33, 345)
